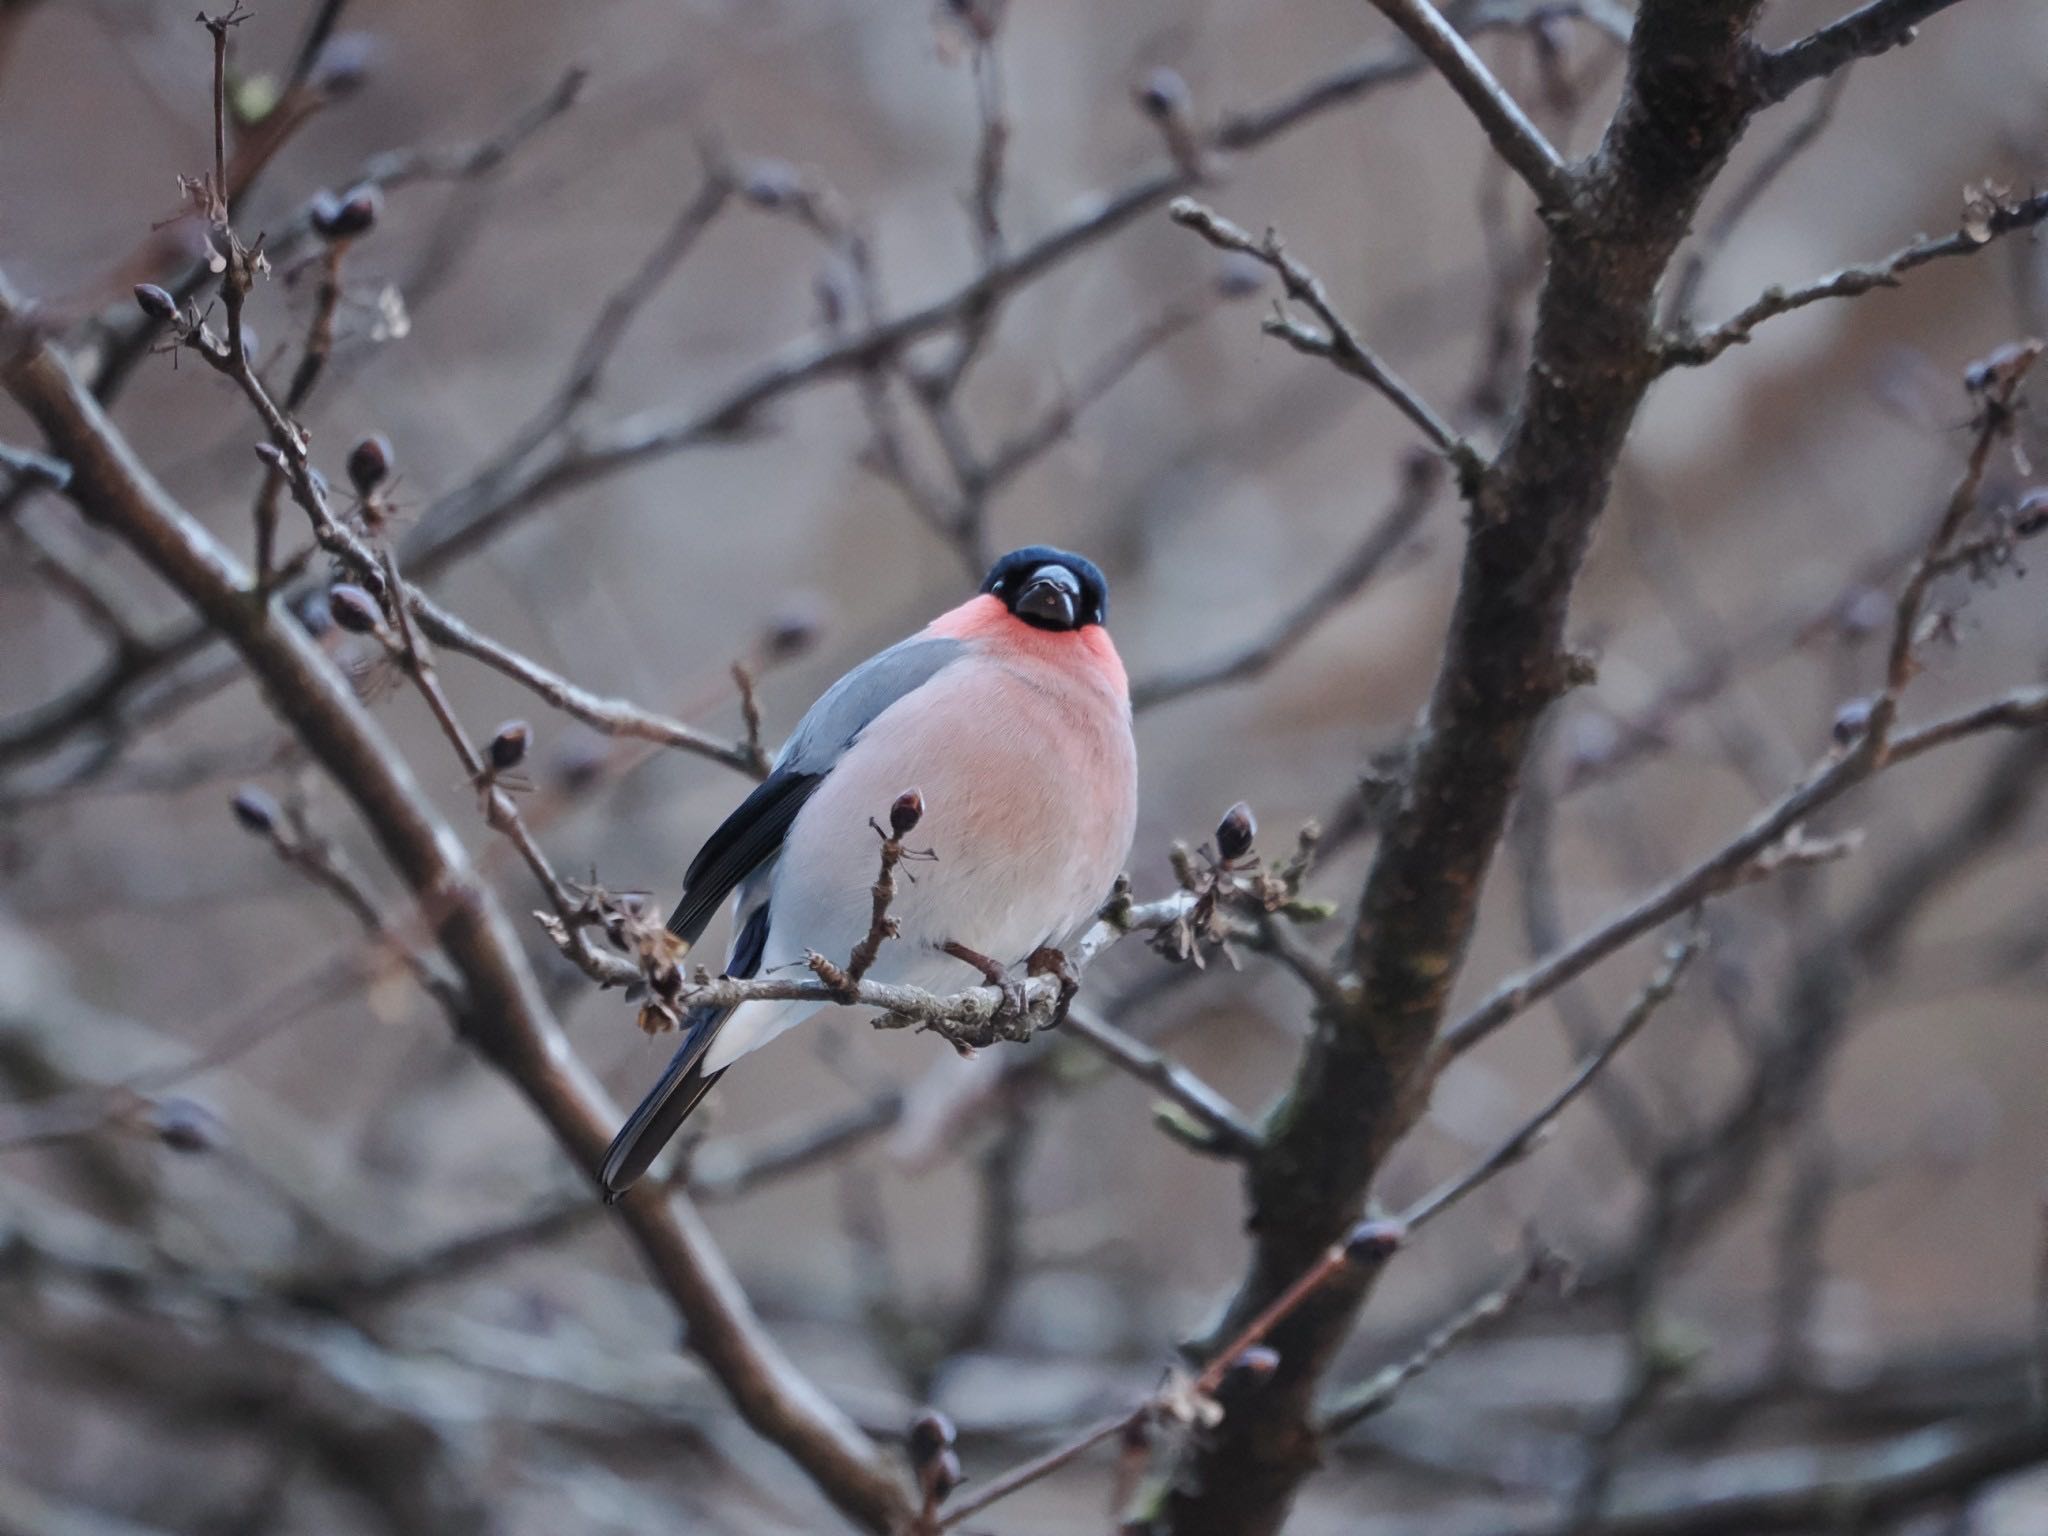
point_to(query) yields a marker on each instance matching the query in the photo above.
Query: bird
(1009, 717)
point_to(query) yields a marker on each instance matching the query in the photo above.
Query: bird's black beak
(1050, 599)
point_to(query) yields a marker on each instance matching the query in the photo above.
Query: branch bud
(1851, 721)
(906, 813)
(508, 746)
(931, 1432)
(354, 609)
(1239, 276)
(771, 184)
(256, 810)
(1162, 94)
(793, 630)
(1374, 1242)
(156, 302)
(1234, 833)
(184, 1125)
(932, 1457)
(346, 217)
(1253, 1367)
(369, 462)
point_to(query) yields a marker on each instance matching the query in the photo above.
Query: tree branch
(1998, 218)
(1383, 540)
(1870, 29)
(1337, 341)
(1684, 101)
(509, 1021)
(1519, 141)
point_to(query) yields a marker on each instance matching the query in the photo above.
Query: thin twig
(1336, 341)
(508, 1019)
(1376, 1393)
(1364, 1249)
(1228, 1133)
(1387, 536)
(1519, 141)
(1517, 1144)
(1803, 135)
(1868, 30)
(1999, 219)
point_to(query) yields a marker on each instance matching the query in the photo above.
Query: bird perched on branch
(1010, 716)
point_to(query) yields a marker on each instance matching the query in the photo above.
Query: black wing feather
(683, 1081)
(744, 841)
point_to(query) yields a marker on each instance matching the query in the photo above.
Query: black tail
(683, 1084)
(661, 1114)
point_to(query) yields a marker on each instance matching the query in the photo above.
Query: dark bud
(1234, 833)
(906, 813)
(508, 747)
(1864, 612)
(1253, 1368)
(981, 18)
(942, 1476)
(1851, 721)
(255, 809)
(369, 462)
(315, 617)
(2002, 367)
(1374, 1242)
(581, 767)
(345, 217)
(156, 302)
(771, 184)
(1162, 94)
(931, 1433)
(186, 1126)
(794, 630)
(1239, 276)
(344, 64)
(354, 609)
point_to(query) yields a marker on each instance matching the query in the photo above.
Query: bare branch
(1387, 536)
(612, 716)
(27, 467)
(1364, 1249)
(1337, 341)
(1799, 1488)
(1742, 201)
(1519, 141)
(1377, 1393)
(515, 484)
(1228, 1133)
(519, 479)
(1870, 29)
(1998, 217)
(1517, 1145)
(508, 1019)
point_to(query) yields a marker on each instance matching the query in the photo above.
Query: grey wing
(749, 839)
(846, 708)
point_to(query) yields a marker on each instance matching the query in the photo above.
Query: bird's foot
(1011, 1021)
(1047, 961)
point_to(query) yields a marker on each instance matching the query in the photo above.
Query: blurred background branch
(278, 1255)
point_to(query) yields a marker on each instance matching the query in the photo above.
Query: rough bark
(1690, 91)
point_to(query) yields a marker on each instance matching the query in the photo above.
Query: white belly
(1030, 794)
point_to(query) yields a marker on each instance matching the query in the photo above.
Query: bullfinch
(1010, 716)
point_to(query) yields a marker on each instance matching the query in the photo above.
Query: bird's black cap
(1050, 588)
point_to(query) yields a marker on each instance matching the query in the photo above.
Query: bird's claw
(1047, 961)
(1012, 1015)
